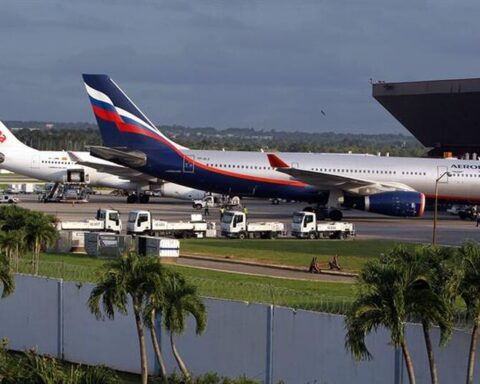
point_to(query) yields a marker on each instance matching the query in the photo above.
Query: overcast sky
(238, 63)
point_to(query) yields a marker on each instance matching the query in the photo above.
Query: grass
(313, 295)
(352, 254)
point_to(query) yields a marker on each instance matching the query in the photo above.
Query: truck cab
(111, 218)
(303, 223)
(233, 223)
(139, 222)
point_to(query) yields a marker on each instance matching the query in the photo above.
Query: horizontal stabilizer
(121, 156)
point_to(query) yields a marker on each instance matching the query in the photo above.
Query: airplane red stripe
(453, 197)
(126, 127)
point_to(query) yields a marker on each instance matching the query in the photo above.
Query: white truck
(141, 222)
(107, 220)
(9, 199)
(215, 201)
(234, 225)
(306, 225)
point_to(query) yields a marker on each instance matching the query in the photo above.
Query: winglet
(276, 162)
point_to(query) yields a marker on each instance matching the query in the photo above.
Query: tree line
(78, 136)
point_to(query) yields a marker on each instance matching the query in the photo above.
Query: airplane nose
(2, 158)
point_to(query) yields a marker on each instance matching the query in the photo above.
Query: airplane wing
(354, 185)
(117, 170)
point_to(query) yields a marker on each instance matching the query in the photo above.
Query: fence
(264, 342)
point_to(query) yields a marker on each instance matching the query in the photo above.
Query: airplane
(395, 186)
(64, 166)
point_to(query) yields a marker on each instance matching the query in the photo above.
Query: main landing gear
(134, 198)
(324, 213)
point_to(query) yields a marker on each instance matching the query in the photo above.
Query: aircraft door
(35, 160)
(189, 165)
(441, 171)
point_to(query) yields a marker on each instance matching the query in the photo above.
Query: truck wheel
(197, 206)
(144, 199)
(275, 201)
(242, 235)
(312, 235)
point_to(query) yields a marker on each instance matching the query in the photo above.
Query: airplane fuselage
(52, 166)
(250, 174)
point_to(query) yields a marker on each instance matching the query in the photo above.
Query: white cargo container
(164, 248)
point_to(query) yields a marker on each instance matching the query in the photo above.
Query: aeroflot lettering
(466, 166)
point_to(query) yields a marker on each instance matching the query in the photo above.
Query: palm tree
(385, 293)
(180, 300)
(470, 292)
(11, 243)
(39, 232)
(127, 278)
(6, 278)
(154, 307)
(439, 269)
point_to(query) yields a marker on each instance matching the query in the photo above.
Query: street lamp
(435, 212)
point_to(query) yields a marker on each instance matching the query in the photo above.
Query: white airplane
(73, 166)
(387, 185)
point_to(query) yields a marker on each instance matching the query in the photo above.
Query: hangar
(442, 114)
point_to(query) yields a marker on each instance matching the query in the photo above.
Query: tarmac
(450, 229)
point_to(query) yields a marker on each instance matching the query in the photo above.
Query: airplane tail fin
(122, 124)
(8, 139)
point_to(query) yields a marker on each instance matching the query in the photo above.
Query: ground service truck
(306, 225)
(107, 220)
(141, 222)
(234, 225)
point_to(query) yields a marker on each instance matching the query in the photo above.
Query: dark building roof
(444, 114)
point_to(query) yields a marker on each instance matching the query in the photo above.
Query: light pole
(435, 211)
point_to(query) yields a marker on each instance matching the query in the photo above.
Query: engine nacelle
(395, 203)
(181, 192)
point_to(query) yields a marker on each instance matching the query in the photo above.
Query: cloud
(272, 64)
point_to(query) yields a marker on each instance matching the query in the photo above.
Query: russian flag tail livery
(120, 121)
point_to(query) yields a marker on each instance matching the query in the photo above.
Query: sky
(270, 64)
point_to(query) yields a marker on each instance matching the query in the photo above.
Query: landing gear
(336, 215)
(323, 213)
(132, 199)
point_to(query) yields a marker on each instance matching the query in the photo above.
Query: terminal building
(443, 115)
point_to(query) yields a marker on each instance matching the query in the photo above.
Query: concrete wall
(263, 342)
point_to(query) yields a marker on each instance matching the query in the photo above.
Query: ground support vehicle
(306, 225)
(213, 202)
(470, 212)
(9, 199)
(234, 225)
(141, 222)
(107, 220)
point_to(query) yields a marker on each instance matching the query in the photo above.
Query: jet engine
(395, 203)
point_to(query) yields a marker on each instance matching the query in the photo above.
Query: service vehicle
(306, 225)
(107, 220)
(142, 222)
(469, 212)
(9, 199)
(234, 225)
(215, 201)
